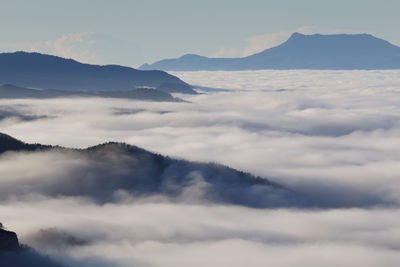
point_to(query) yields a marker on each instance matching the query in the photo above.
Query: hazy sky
(134, 32)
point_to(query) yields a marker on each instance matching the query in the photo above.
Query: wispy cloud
(226, 52)
(71, 45)
(258, 43)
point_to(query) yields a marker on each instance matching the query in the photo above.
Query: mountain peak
(296, 35)
(302, 51)
(8, 240)
(36, 70)
(191, 56)
(8, 143)
(7, 138)
(344, 43)
(361, 36)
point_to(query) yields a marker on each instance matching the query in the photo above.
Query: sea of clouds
(330, 135)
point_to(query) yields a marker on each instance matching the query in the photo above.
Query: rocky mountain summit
(8, 240)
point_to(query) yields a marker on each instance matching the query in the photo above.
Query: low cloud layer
(330, 135)
(11, 114)
(116, 173)
(165, 234)
(335, 131)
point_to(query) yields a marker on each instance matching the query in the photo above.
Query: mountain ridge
(300, 51)
(10, 91)
(36, 70)
(9, 143)
(142, 174)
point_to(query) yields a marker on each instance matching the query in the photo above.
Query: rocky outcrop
(13, 254)
(8, 241)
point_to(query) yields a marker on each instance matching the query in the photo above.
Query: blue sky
(134, 32)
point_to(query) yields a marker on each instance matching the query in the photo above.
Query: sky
(135, 32)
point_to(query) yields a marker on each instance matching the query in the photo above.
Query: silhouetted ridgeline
(36, 70)
(9, 91)
(110, 171)
(12, 254)
(8, 240)
(337, 51)
(8, 143)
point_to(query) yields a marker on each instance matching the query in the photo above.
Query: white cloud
(71, 45)
(193, 235)
(68, 46)
(226, 52)
(330, 134)
(322, 127)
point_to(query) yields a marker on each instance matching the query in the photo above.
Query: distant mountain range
(42, 71)
(9, 91)
(317, 51)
